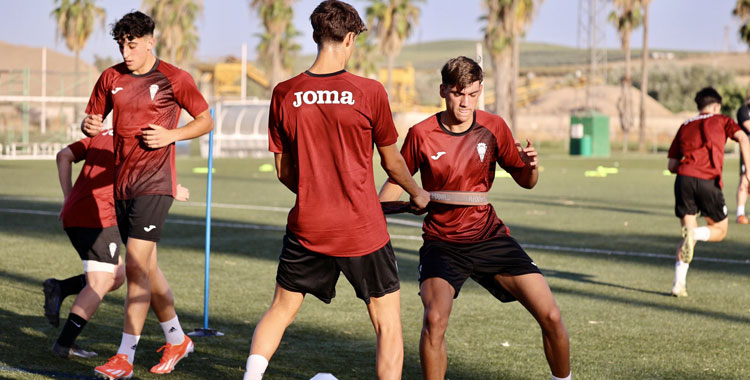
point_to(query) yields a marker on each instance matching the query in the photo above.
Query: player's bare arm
(156, 136)
(92, 125)
(529, 175)
(286, 171)
(183, 193)
(395, 166)
(744, 142)
(390, 192)
(65, 160)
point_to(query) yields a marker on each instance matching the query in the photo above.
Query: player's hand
(92, 125)
(183, 193)
(156, 136)
(420, 201)
(528, 154)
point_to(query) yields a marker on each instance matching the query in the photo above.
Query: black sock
(72, 285)
(72, 328)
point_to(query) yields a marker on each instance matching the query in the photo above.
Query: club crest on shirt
(152, 90)
(481, 150)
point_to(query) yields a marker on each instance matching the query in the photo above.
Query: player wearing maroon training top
(697, 157)
(88, 217)
(322, 127)
(457, 150)
(743, 188)
(145, 96)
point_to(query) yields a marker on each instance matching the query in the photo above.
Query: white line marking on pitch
(543, 247)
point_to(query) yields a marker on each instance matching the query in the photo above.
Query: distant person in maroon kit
(697, 157)
(145, 96)
(322, 127)
(743, 119)
(456, 152)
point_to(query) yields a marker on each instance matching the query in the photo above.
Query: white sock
(562, 378)
(701, 233)
(128, 344)
(255, 367)
(740, 210)
(173, 331)
(680, 272)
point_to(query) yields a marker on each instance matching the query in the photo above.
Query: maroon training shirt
(699, 145)
(90, 203)
(464, 161)
(137, 101)
(328, 124)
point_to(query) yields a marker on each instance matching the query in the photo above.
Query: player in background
(322, 127)
(743, 119)
(145, 96)
(88, 217)
(456, 152)
(697, 157)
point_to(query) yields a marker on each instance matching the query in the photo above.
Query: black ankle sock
(72, 285)
(72, 328)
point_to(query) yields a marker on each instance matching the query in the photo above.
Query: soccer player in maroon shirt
(743, 119)
(322, 127)
(88, 217)
(145, 96)
(456, 152)
(697, 157)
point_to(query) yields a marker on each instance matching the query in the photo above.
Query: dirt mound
(567, 100)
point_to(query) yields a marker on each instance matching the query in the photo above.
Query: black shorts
(142, 217)
(482, 261)
(304, 271)
(694, 194)
(99, 248)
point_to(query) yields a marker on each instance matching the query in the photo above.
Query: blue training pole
(209, 183)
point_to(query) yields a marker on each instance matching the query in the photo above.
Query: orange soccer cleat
(742, 219)
(118, 367)
(172, 355)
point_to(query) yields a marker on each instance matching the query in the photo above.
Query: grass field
(604, 244)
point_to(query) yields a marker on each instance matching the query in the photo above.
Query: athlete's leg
(742, 190)
(437, 297)
(138, 270)
(718, 230)
(162, 300)
(274, 322)
(385, 314)
(534, 294)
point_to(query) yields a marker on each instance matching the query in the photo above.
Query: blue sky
(226, 24)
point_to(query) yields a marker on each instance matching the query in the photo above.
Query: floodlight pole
(205, 331)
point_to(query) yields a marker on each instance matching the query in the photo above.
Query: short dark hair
(461, 72)
(332, 20)
(706, 97)
(133, 25)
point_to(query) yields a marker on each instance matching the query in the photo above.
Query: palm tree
(363, 58)
(277, 46)
(644, 78)
(76, 20)
(523, 11)
(392, 21)
(497, 38)
(625, 17)
(176, 34)
(742, 10)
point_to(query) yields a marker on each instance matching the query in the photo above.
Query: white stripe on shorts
(97, 266)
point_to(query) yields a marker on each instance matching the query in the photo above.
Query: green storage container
(589, 134)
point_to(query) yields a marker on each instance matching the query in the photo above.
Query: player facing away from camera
(145, 96)
(89, 219)
(322, 127)
(456, 152)
(743, 119)
(697, 157)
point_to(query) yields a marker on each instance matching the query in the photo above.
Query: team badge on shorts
(481, 149)
(112, 249)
